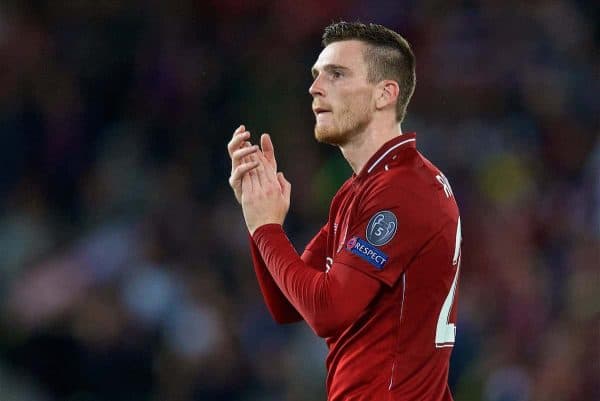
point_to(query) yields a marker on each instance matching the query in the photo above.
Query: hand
(265, 195)
(243, 161)
(240, 151)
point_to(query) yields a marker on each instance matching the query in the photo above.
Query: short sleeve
(387, 229)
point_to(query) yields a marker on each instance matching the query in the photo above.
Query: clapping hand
(263, 193)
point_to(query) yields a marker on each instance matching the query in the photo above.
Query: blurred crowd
(124, 265)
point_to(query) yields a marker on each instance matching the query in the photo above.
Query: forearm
(281, 309)
(321, 298)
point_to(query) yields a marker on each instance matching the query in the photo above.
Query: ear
(387, 93)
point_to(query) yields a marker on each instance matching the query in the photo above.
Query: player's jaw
(337, 125)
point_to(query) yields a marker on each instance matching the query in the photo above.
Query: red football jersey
(396, 222)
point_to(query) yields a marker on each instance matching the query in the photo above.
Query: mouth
(320, 110)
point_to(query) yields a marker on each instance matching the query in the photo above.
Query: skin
(350, 112)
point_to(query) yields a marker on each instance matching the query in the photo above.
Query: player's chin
(325, 134)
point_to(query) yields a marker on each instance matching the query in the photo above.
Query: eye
(336, 74)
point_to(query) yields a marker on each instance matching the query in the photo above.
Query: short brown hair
(388, 56)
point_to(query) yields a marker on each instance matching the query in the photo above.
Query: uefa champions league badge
(366, 251)
(381, 228)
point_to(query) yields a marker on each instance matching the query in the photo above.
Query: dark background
(124, 268)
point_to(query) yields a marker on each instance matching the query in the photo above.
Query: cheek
(352, 105)
(357, 105)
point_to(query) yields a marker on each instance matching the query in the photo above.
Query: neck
(359, 149)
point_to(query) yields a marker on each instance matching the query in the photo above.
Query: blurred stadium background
(124, 269)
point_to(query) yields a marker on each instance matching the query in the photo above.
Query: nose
(316, 89)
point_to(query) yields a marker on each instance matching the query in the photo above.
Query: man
(379, 280)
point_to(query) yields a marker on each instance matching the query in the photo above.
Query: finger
(237, 141)
(242, 176)
(251, 157)
(239, 129)
(268, 150)
(241, 170)
(270, 173)
(281, 182)
(239, 155)
(253, 174)
(247, 144)
(286, 187)
(261, 170)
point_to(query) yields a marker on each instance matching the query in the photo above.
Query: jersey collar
(387, 151)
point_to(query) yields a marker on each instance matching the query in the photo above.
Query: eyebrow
(328, 68)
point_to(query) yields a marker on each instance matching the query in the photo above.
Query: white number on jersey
(328, 264)
(445, 333)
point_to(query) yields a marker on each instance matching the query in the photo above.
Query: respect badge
(366, 251)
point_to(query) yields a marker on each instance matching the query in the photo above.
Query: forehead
(347, 53)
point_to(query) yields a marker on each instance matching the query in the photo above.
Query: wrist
(265, 227)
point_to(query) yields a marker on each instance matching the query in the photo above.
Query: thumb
(286, 187)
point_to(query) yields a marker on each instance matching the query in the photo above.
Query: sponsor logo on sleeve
(367, 251)
(381, 228)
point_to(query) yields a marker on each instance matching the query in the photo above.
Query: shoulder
(414, 175)
(414, 185)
